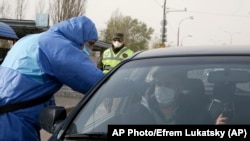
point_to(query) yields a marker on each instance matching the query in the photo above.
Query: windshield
(177, 90)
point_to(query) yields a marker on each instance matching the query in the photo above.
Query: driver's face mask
(164, 95)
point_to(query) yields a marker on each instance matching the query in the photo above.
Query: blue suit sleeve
(70, 66)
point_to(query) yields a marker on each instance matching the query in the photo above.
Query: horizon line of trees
(137, 34)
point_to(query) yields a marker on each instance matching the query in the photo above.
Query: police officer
(113, 56)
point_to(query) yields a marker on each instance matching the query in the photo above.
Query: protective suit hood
(76, 31)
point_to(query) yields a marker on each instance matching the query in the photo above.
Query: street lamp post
(231, 36)
(185, 37)
(178, 32)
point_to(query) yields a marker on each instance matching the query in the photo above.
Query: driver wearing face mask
(114, 55)
(165, 98)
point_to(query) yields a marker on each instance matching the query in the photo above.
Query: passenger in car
(228, 107)
(222, 106)
(231, 108)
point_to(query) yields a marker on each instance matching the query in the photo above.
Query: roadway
(67, 98)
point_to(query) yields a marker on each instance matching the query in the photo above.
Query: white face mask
(164, 95)
(117, 44)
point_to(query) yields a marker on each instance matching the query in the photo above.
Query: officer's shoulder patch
(124, 55)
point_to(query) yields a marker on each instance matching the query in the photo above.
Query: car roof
(193, 51)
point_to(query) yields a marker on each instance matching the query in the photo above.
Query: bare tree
(40, 8)
(4, 9)
(20, 7)
(61, 10)
(136, 33)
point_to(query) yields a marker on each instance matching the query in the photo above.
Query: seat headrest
(235, 76)
(194, 85)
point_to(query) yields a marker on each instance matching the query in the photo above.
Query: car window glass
(131, 94)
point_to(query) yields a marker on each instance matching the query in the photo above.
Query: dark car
(201, 85)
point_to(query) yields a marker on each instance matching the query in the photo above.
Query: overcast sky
(215, 22)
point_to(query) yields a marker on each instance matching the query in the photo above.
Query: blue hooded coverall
(38, 65)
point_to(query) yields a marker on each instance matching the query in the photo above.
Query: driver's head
(167, 87)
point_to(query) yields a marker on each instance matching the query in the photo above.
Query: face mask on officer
(117, 43)
(86, 50)
(88, 47)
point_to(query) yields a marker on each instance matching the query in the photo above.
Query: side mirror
(52, 117)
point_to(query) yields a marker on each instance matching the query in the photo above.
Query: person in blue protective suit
(36, 67)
